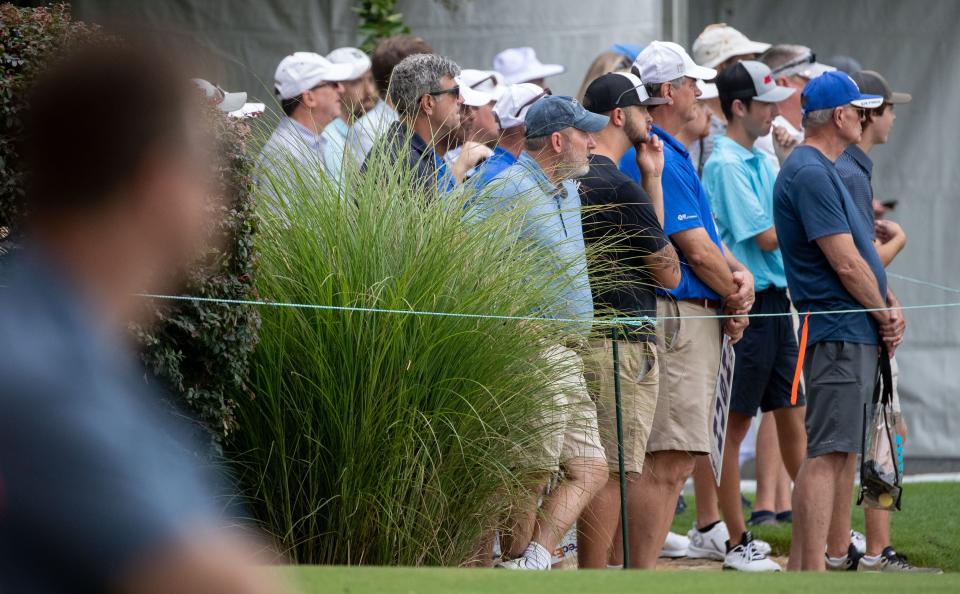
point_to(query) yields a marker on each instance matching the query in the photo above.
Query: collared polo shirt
(552, 220)
(335, 137)
(498, 161)
(685, 206)
(810, 201)
(369, 128)
(739, 183)
(856, 170)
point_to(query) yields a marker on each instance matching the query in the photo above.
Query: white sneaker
(535, 557)
(521, 563)
(859, 541)
(708, 545)
(675, 546)
(762, 546)
(746, 557)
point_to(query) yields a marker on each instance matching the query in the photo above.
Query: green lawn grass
(928, 530)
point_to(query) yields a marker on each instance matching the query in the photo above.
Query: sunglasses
(451, 91)
(492, 78)
(545, 92)
(808, 58)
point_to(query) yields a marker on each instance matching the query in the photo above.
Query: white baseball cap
(520, 64)
(356, 58)
(511, 108)
(480, 87)
(720, 42)
(707, 90)
(224, 100)
(301, 71)
(664, 61)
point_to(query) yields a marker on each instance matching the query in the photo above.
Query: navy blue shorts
(766, 358)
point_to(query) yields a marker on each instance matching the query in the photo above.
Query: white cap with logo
(511, 108)
(520, 64)
(302, 71)
(720, 42)
(664, 61)
(225, 101)
(355, 57)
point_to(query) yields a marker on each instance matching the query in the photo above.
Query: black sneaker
(681, 505)
(892, 561)
(848, 562)
(762, 518)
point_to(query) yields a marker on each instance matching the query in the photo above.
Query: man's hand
(892, 325)
(650, 157)
(783, 143)
(742, 300)
(470, 155)
(887, 231)
(734, 328)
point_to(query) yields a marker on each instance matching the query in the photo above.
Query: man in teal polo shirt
(712, 282)
(739, 180)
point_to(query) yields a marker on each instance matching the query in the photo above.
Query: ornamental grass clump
(393, 438)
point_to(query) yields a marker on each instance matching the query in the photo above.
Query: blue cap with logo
(553, 113)
(834, 89)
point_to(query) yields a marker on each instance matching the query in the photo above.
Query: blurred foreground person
(99, 491)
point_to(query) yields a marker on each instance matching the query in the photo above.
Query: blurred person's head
(749, 98)
(359, 91)
(834, 109)
(425, 93)
(669, 73)
(225, 101)
(559, 135)
(480, 90)
(621, 97)
(793, 66)
(391, 51)
(698, 128)
(310, 88)
(720, 46)
(125, 169)
(844, 63)
(879, 120)
(520, 65)
(608, 61)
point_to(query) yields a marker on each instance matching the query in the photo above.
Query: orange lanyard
(802, 353)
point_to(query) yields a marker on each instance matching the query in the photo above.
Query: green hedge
(200, 351)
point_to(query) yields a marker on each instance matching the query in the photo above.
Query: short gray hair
(653, 89)
(782, 53)
(817, 118)
(414, 77)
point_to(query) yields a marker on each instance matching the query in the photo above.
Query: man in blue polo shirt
(712, 282)
(556, 151)
(739, 180)
(831, 265)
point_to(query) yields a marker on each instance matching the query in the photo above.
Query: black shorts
(766, 358)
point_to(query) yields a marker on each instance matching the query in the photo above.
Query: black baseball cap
(872, 83)
(618, 89)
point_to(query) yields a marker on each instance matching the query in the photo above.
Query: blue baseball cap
(553, 113)
(627, 50)
(834, 89)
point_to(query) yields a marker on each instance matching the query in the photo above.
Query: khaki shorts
(689, 352)
(573, 423)
(639, 378)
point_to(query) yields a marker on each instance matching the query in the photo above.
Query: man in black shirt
(623, 224)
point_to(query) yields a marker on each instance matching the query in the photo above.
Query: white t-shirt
(765, 143)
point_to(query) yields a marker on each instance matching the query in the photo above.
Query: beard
(636, 129)
(574, 165)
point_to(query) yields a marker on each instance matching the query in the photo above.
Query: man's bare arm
(707, 261)
(854, 272)
(767, 240)
(664, 265)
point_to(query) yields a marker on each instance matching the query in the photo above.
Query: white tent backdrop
(915, 46)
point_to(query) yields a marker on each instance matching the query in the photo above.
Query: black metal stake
(623, 476)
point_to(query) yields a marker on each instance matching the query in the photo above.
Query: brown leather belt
(705, 303)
